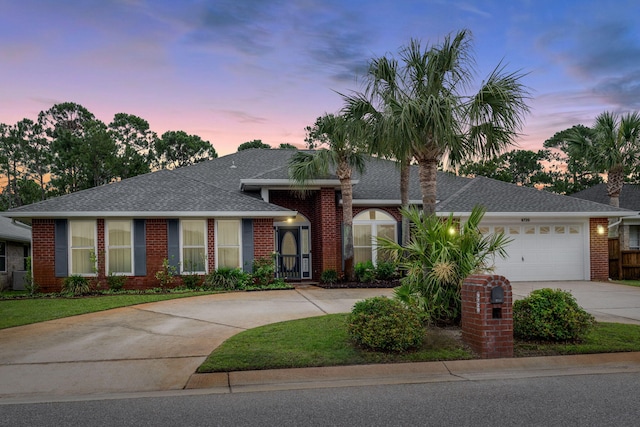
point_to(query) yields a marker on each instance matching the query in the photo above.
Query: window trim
(108, 247)
(71, 248)
(183, 247)
(218, 245)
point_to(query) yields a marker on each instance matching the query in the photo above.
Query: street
(580, 400)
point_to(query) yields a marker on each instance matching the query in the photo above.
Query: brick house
(232, 210)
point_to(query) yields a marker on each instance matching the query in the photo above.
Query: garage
(537, 252)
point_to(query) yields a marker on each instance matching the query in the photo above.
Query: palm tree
(612, 145)
(343, 139)
(424, 93)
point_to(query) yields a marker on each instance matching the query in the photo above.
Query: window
(634, 237)
(26, 255)
(119, 247)
(228, 243)
(3, 256)
(367, 226)
(194, 248)
(83, 247)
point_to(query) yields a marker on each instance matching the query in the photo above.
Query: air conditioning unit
(18, 280)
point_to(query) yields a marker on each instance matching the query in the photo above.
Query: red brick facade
(487, 327)
(43, 255)
(599, 248)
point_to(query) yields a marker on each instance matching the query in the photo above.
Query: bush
(329, 277)
(385, 270)
(365, 272)
(116, 283)
(192, 281)
(550, 315)
(167, 274)
(76, 285)
(227, 279)
(263, 271)
(385, 324)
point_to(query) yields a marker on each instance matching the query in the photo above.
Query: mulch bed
(373, 284)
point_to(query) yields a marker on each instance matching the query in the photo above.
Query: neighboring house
(627, 229)
(15, 244)
(232, 210)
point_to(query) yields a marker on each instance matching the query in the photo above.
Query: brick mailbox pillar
(487, 315)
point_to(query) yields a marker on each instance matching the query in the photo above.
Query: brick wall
(263, 244)
(487, 332)
(43, 255)
(599, 248)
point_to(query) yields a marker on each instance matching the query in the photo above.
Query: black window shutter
(173, 243)
(139, 247)
(61, 254)
(247, 245)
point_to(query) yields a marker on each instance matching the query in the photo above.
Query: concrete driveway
(158, 346)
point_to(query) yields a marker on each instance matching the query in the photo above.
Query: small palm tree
(441, 253)
(612, 145)
(341, 140)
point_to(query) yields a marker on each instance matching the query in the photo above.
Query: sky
(231, 71)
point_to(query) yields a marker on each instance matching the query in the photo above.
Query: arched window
(368, 225)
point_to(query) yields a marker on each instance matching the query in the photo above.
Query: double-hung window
(228, 243)
(119, 247)
(194, 246)
(83, 247)
(634, 237)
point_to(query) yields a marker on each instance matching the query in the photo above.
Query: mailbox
(497, 295)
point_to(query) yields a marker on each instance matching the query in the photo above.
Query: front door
(294, 256)
(289, 244)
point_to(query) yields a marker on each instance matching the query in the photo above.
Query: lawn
(627, 282)
(17, 312)
(323, 341)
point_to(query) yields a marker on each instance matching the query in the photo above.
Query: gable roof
(629, 197)
(228, 186)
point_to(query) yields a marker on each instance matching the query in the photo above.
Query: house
(15, 246)
(628, 227)
(232, 210)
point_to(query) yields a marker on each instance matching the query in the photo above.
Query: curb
(414, 373)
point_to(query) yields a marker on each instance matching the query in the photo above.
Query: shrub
(29, 284)
(329, 277)
(263, 271)
(385, 324)
(192, 281)
(76, 285)
(365, 272)
(226, 278)
(385, 270)
(116, 283)
(550, 315)
(167, 274)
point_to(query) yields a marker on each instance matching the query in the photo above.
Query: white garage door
(542, 252)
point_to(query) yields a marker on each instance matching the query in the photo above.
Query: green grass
(17, 312)
(604, 338)
(323, 341)
(316, 341)
(627, 282)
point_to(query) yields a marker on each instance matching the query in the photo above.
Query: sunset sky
(232, 71)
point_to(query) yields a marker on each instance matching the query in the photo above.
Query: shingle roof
(498, 196)
(214, 186)
(14, 232)
(629, 197)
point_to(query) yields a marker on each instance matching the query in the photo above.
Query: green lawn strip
(604, 338)
(627, 282)
(316, 341)
(17, 312)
